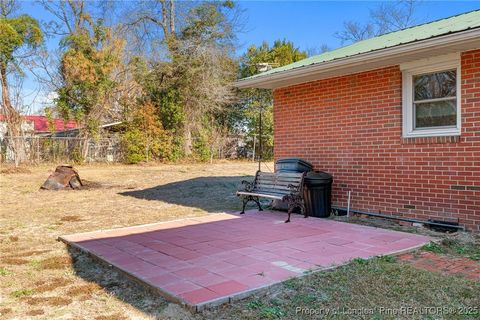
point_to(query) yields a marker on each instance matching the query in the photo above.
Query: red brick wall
(351, 126)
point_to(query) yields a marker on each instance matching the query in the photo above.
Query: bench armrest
(248, 186)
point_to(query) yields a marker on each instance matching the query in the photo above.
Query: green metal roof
(462, 22)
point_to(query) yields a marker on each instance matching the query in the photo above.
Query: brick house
(395, 119)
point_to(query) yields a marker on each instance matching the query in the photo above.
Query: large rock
(64, 177)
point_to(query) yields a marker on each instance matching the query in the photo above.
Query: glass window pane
(436, 114)
(435, 85)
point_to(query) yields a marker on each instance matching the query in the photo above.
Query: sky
(308, 24)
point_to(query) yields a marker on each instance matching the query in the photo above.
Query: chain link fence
(62, 149)
(40, 149)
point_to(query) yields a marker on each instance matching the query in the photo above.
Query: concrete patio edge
(214, 302)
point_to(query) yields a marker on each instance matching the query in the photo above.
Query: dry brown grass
(59, 262)
(71, 219)
(5, 311)
(37, 271)
(115, 196)
(30, 253)
(35, 312)
(9, 260)
(15, 170)
(116, 316)
(84, 290)
(49, 301)
(50, 285)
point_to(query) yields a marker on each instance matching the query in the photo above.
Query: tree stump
(64, 177)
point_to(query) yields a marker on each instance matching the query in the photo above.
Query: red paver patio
(212, 259)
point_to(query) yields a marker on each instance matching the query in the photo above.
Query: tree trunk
(84, 143)
(188, 143)
(13, 120)
(172, 17)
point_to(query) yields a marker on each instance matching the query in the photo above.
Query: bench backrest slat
(280, 174)
(271, 186)
(283, 174)
(278, 182)
(278, 177)
(272, 192)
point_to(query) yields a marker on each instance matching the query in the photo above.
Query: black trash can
(318, 193)
(293, 165)
(290, 165)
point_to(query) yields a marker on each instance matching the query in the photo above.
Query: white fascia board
(432, 63)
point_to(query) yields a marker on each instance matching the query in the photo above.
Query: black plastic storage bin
(318, 193)
(293, 165)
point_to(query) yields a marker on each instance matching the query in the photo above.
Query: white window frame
(431, 65)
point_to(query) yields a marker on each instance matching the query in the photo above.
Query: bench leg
(290, 209)
(245, 201)
(295, 202)
(257, 201)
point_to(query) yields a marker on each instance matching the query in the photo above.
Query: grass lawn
(39, 278)
(373, 289)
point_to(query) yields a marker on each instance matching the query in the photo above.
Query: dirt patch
(56, 263)
(87, 185)
(35, 312)
(45, 286)
(13, 261)
(71, 219)
(84, 290)
(51, 301)
(175, 312)
(92, 185)
(115, 316)
(13, 238)
(15, 170)
(5, 311)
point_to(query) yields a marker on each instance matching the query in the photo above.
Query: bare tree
(387, 17)
(313, 51)
(151, 27)
(166, 19)
(20, 36)
(8, 7)
(69, 16)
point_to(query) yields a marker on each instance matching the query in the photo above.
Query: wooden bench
(284, 186)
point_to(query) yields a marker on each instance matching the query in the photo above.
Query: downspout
(392, 217)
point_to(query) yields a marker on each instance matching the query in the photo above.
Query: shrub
(145, 139)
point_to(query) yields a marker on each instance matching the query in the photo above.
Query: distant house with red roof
(39, 125)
